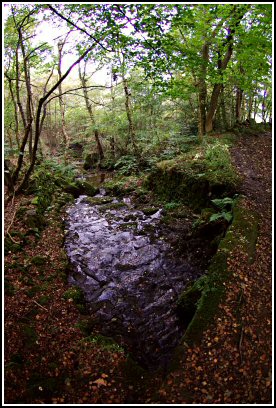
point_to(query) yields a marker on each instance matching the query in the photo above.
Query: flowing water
(129, 273)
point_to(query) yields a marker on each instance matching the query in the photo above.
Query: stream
(131, 277)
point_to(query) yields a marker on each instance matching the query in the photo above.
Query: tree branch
(78, 28)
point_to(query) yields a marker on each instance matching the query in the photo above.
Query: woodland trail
(49, 359)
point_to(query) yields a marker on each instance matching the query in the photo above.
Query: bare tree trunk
(129, 117)
(112, 95)
(15, 110)
(29, 115)
(61, 105)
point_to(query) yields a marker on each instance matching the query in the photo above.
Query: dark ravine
(130, 274)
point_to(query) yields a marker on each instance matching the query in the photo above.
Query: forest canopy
(131, 79)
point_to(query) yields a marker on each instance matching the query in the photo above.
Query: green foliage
(171, 206)
(105, 342)
(47, 177)
(223, 204)
(217, 155)
(223, 215)
(127, 165)
(77, 295)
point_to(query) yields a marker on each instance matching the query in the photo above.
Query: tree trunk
(223, 110)
(239, 95)
(212, 108)
(202, 94)
(15, 111)
(91, 113)
(129, 117)
(249, 107)
(8, 181)
(29, 115)
(39, 122)
(61, 105)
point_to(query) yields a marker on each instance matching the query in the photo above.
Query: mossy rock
(9, 288)
(21, 212)
(149, 210)
(62, 200)
(11, 247)
(43, 300)
(195, 178)
(99, 200)
(87, 188)
(91, 161)
(39, 260)
(112, 206)
(33, 219)
(33, 291)
(80, 188)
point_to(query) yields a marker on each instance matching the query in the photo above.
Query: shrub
(127, 165)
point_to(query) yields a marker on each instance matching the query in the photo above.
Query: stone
(132, 279)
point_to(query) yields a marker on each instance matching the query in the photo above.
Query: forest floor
(50, 360)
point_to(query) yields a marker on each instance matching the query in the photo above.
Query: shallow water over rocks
(129, 273)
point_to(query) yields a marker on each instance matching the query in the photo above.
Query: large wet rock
(129, 274)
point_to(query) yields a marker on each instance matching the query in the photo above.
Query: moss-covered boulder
(33, 219)
(195, 178)
(91, 161)
(78, 188)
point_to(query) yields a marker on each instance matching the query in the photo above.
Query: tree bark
(91, 113)
(202, 95)
(15, 110)
(222, 65)
(61, 105)
(239, 96)
(129, 117)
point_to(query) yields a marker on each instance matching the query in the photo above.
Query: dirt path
(232, 365)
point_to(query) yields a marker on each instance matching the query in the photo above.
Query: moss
(196, 177)
(149, 210)
(21, 212)
(43, 300)
(128, 225)
(104, 341)
(39, 260)
(9, 288)
(86, 325)
(112, 206)
(87, 188)
(77, 295)
(30, 335)
(206, 293)
(33, 291)
(99, 200)
(11, 247)
(34, 219)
